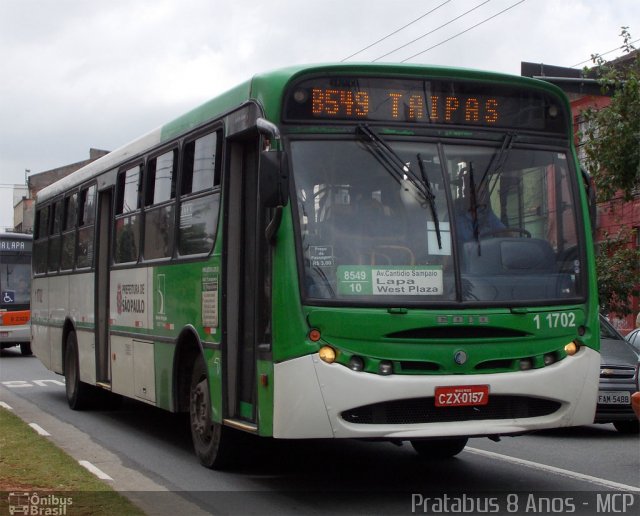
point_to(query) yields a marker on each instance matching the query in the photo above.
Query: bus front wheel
(79, 394)
(439, 448)
(211, 440)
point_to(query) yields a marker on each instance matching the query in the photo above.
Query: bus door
(103, 372)
(247, 291)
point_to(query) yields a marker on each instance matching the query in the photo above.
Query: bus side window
(69, 232)
(200, 170)
(41, 243)
(127, 231)
(159, 217)
(54, 239)
(199, 206)
(87, 213)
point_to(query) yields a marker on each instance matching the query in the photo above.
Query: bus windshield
(15, 281)
(399, 222)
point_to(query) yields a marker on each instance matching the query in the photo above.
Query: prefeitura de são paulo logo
(130, 298)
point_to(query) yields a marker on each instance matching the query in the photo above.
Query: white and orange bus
(15, 288)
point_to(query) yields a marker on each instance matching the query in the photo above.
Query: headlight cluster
(356, 363)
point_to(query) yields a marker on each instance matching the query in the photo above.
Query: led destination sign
(448, 102)
(11, 245)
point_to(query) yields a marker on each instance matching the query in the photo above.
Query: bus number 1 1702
(555, 320)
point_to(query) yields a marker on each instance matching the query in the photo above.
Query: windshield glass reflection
(418, 222)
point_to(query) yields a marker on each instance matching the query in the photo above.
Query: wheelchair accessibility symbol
(8, 296)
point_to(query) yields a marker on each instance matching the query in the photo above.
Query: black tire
(79, 394)
(212, 442)
(25, 349)
(439, 448)
(627, 427)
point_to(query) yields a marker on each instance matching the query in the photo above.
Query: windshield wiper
(401, 171)
(398, 169)
(499, 159)
(494, 167)
(473, 208)
(431, 199)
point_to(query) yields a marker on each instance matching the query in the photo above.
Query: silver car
(633, 338)
(618, 380)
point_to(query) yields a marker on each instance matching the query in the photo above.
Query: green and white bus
(389, 252)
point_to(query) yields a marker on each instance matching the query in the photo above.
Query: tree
(612, 134)
(612, 150)
(617, 270)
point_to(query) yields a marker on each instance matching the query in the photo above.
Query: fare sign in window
(371, 280)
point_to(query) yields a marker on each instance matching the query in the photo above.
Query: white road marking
(16, 384)
(96, 471)
(5, 405)
(39, 429)
(553, 469)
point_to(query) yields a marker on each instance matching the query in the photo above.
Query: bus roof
(15, 236)
(267, 89)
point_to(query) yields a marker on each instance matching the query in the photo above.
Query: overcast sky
(78, 74)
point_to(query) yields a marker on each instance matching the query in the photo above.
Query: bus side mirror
(590, 188)
(273, 179)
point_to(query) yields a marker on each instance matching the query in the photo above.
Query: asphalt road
(147, 454)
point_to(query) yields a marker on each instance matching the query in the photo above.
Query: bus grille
(423, 410)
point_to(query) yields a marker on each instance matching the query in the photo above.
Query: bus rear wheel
(25, 349)
(211, 441)
(79, 394)
(439, 448)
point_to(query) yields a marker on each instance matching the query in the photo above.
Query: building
(614, 215)
(24, 196)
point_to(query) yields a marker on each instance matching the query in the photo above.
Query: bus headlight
(327, 354)
(572, 348)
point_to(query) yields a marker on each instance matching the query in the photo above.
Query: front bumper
(14, 335)
(311, 396)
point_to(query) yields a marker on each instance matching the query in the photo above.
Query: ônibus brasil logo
(39, 504)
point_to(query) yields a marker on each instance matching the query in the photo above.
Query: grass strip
(34, 472)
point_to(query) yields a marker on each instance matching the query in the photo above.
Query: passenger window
(87, 211)
(127, 226)
(127, 238)
(198, 222)
(54, 240)
(69, 232)
(158, 234)
(88, 206)
(128, 189)
(40, 246)
(70, 212)
(200, 170)
(159, 220)
(161, 179)
(199, 216)
(42, 223)
(57, 218)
